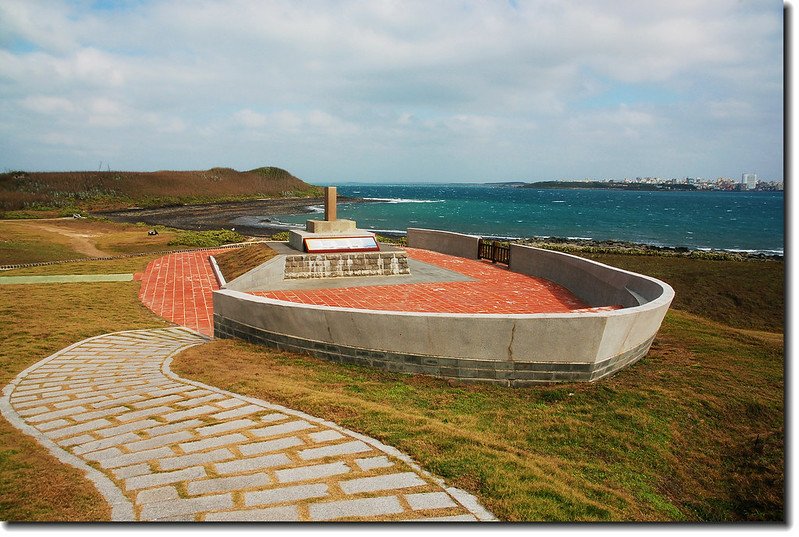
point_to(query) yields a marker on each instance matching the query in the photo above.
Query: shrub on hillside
(206, 239)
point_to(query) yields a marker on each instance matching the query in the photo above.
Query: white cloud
(44, 104)
(447, 84)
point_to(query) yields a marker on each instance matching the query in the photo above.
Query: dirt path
(80, 241)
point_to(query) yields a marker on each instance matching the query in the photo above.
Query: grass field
(34, 241)
(692, 432)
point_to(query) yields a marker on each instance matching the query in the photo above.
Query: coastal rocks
(583, 246)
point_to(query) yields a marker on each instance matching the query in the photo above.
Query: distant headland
(651, 184)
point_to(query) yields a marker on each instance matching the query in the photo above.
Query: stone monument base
(330, 226)
(308, 266)
(297, 237)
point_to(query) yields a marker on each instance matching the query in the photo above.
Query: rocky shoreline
(257, 218)
(260, 218)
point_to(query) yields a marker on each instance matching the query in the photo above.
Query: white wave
(743, 251)
(580, 238)
(402, 232)
(559, 201)
(316, 208)
(403, 200)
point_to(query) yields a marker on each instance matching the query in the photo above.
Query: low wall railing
(495, 251)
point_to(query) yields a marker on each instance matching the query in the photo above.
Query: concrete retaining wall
(445, 242)
(513, 350)
(594, 283)
(254, 279)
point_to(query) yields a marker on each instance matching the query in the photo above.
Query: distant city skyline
(446, 91)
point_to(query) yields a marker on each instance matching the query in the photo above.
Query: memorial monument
(332, 234)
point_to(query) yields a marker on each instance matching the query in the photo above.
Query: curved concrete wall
(446, 242)
(511, 349)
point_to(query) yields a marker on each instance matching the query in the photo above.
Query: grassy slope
(743, 294)
(236, 262)
(37, 320)
(24, 193)
(32, 241)
(694, 431)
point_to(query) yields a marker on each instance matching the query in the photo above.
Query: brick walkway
(159, 447)
(179, 287)
(494, 290)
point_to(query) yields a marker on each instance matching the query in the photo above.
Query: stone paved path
(163, 448)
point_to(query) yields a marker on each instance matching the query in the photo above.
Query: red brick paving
(179, 287)
(495, 290)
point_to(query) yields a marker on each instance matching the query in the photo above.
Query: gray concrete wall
(445, 242)
(512, 349)
(595, 283)
(576, 346)
(261, 276)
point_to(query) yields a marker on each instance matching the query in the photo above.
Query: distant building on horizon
(749, 180)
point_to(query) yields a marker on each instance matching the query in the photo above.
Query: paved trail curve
(160, 447)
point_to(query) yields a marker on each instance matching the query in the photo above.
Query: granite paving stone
(256, 448)
(238, 412)
(214, 441)
(344, 448)
(285, 513)
(361, 507)
(256, 463)
(286, 494)
(429, 500)
(186, 506)
(162, 478)
(373, 462)
(382, 482)
(325, 436)
(184, 461)
(163, 440)
(225, 427)
(317, 471)
(157, 495)
(159, 439)
(283, 428)
(187, 425)
(220, 484)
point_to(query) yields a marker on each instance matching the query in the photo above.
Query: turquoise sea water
(738, 221)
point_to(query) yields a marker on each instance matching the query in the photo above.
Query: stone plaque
(324, 245)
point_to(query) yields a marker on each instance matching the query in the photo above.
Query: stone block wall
(346, 264)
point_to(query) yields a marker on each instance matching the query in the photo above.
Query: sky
(390, 91)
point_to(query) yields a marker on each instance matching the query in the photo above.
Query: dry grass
(744, 294)
(36, 321)
(692, 432)
(22, 243)
(116, 189)
(32, 241)
(236, 262)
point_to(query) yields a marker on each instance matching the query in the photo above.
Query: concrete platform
(421, 272)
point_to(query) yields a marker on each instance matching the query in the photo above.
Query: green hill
(65, 192)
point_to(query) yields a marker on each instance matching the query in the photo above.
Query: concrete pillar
(330, 203)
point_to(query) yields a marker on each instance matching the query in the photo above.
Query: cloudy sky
(395, 91)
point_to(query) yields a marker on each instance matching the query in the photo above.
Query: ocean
(732, 221)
